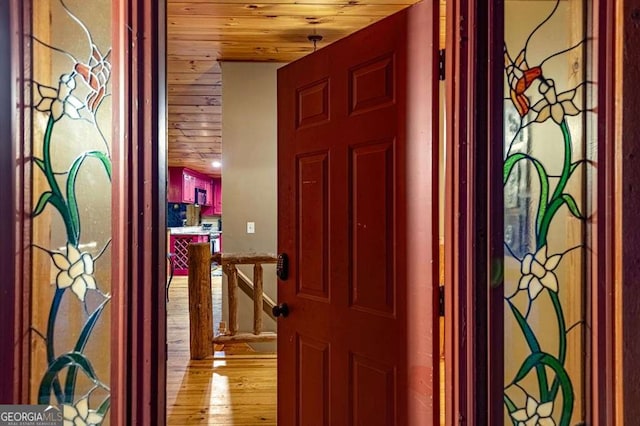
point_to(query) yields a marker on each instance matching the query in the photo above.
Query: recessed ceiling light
(216, 164)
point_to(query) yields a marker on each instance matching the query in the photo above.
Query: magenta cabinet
(217, 196)
(214, 198)
(182, 187)
(179, 246)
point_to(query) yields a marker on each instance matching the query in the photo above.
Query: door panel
(313, 367)
(313, 216)
(371, 230)
(357, 176)
(372, 393)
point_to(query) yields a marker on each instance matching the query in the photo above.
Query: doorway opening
(203, 90)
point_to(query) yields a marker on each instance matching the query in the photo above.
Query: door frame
(138, 349)
(138, 215)
(14, 312)
(473, 236)
(626, 203)
(474, 68)
(139, 345)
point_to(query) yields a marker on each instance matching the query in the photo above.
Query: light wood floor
(235, 387)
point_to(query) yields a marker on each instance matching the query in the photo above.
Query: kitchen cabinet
(183, 183)
(208, 186)
(217, 196)
(188, 187)
(182, 186)
(179, 246)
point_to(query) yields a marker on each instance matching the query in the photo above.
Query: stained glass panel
(71, 211)
(545, 209)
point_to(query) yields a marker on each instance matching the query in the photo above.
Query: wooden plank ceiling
(203, 32)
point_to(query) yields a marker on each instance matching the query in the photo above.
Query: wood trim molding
(602, 259)
(139, 210)
(14, 310)
(494, 33)
(629, 203)
(460, 371)
(474, 69)
(7, 220)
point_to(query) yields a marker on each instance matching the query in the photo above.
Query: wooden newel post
(200, 307)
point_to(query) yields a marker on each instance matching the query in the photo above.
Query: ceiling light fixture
(216, 164)
(314, 38)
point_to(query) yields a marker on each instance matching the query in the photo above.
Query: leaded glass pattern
(544, 212)
(71, 212)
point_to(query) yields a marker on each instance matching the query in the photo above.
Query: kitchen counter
(192, 230)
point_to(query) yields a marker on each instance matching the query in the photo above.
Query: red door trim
(474, 44)
(456, 374)
(14, 357)
(628, 205)
(600, 373)
(495, 203)
(139, 209)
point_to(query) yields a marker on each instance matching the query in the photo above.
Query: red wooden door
(357, 173)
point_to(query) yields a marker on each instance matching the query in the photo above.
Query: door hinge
(441, 64)
(441, 300)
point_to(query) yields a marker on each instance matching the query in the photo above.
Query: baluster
(257, 298)
(233, 298)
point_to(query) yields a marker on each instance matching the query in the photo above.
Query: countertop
(192, 230)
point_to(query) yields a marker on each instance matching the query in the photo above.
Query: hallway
(235, 387)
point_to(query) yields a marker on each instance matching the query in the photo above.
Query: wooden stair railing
(229, 263)
(246, 285)
(200, 309)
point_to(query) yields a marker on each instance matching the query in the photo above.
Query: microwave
(201, 196)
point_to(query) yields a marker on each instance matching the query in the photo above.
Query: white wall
(249, 187)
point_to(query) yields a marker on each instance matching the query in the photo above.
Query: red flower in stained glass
(520, 78)
(96, 75)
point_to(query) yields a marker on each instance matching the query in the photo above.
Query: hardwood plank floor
(235, 387)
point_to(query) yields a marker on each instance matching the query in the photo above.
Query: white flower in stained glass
(537, 272)
(80, 415)
(554, 105)
(60, 102)
(76, 271)
(534, 414)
